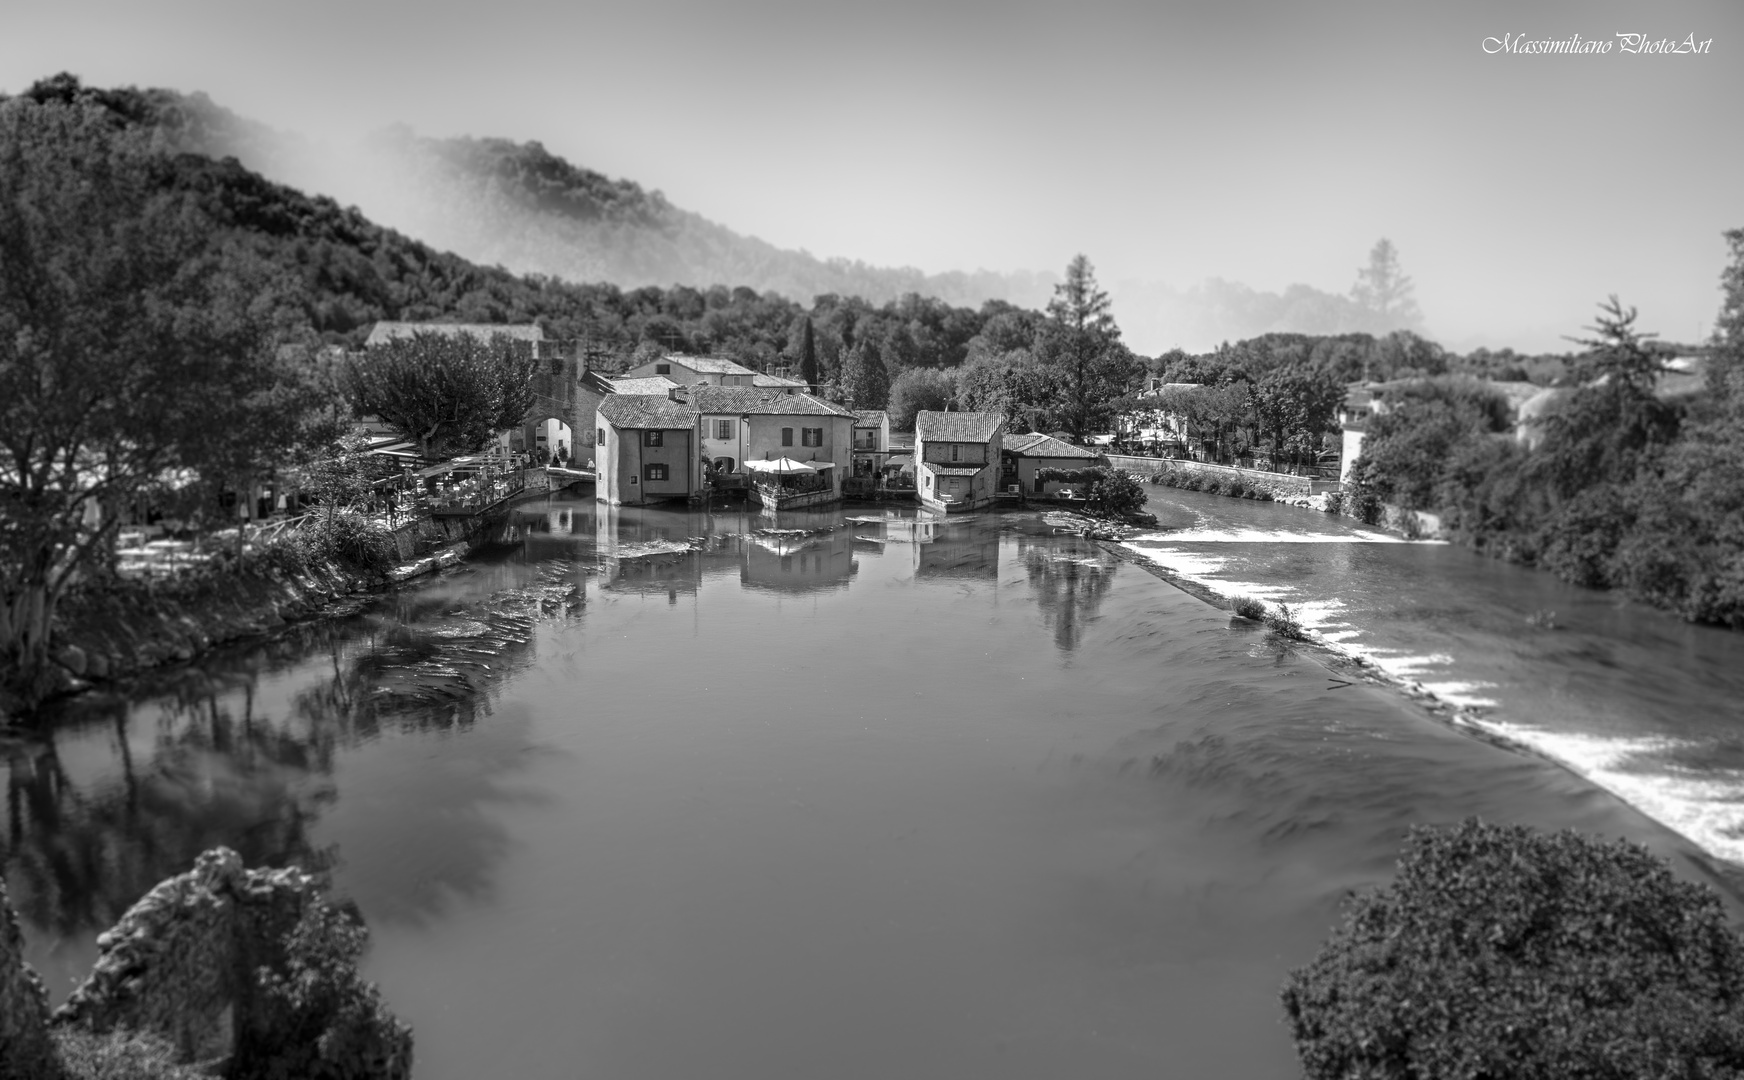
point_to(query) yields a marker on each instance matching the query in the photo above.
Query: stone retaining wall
(135, 626)
(1279, 485)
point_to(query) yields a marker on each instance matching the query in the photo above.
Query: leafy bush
(349, 538)
(1503, 952)
(1283, 622)
(1335, 502)
(324, 1021)
(120, 1055)
(1248, 608)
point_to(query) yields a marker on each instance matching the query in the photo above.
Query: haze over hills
(516, 205)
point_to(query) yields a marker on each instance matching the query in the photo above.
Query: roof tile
(956, 426)
(655, 411)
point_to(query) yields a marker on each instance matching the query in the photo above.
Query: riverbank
(132, 625)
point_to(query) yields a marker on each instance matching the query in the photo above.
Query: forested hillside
(516, 205)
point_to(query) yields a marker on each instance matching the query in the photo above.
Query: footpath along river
(656, 793)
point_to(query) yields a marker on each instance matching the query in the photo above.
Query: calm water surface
(654, 793)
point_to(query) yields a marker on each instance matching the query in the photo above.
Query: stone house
(645, 449)
(740, 426)
(871, 443)
(956, 458)
(1022, 456)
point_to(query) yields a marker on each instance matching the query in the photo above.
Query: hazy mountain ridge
(517, 205)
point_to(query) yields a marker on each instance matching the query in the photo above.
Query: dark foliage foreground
(1503, 952)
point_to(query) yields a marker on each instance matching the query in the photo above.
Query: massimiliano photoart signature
(1637, 44)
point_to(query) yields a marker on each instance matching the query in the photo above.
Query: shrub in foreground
(319, 1019)
(120, 1055)
(1503, 952)
(1248, 608)
(1285, 624)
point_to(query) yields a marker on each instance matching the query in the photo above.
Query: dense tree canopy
(1498, 951)
(129, 331)
(449, 393)
(865, 382)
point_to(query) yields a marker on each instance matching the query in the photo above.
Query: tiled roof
(956, 426)
(761, 402)
(870, 417)
(655, 411)
(383, 332)
(956, 470)
(652, 384)
(711, 365)
(1035, 444)
(761, 379)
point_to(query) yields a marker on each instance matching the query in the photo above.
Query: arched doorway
(547, 442)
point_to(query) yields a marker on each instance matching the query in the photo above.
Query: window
(656, 472)
(723, 429)
(811, 436)
(632, 479)
(786, 436)
(662, 369)
(653, 438)
(602, 436)
(954, 451)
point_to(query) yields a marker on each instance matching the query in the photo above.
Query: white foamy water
(1279, 536)
(1706, 807)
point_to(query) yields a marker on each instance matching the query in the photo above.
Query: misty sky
(1266, 143)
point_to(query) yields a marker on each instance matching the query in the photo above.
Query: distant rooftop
(383, 332)
(651, 384)
(760, 401)
(870, 417)
(708, 365)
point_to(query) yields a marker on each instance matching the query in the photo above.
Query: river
(654, 793)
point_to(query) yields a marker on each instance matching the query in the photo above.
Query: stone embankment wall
(25, 1046)
(126, 630)
(1280, 485)
(184, 965)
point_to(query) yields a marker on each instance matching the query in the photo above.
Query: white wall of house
(1352, 448)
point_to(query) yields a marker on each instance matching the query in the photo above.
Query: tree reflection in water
(1070, 577)
(124, 791)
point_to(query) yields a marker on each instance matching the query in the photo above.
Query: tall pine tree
(1082, 355)
(808, 364)
(865, 379)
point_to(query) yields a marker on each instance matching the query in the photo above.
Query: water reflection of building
(798, 563)
(965, 550)
(1070, 577)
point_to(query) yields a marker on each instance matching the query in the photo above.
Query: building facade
(646, 450)
(956, 457)
(1024, 456)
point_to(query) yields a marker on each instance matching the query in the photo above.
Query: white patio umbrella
(779, 466)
